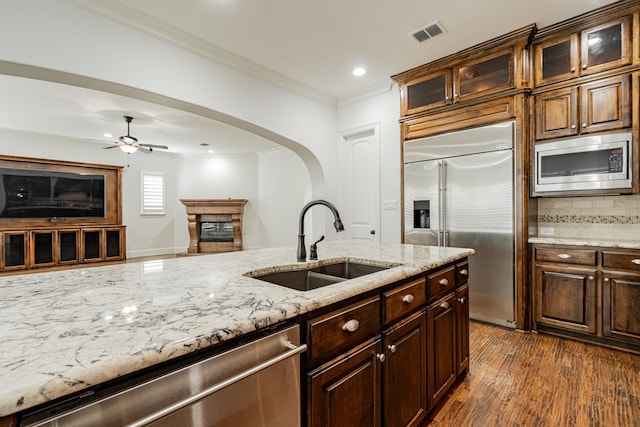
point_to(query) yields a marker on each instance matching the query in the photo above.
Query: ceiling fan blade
(144, 150)
(164, 147)
(111, 146)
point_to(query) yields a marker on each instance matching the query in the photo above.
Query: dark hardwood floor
(532, 380)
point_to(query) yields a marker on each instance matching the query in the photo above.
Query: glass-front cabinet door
(91, 240)
(68, 244)
(606, 46)
(557, 59)
(42, 248)
(427, 92)
(490, 73)
(14, 250)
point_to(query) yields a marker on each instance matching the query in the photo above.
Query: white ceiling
(310, 45)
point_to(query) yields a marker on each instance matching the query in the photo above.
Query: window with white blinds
(152, 193)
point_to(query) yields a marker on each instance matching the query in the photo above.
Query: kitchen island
(65, 331)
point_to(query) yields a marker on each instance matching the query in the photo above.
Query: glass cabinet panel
(606, 46)
(68, 245)
(556, 60)
(43, 248)
(113, 243)
(489, 74)
(91, 244)
(14, 245)
(432, 91)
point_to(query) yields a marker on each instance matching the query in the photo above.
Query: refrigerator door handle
(443, 204)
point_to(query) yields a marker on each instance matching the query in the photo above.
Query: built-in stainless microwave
(583, 164)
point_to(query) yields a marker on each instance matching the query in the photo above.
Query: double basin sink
(306, 279)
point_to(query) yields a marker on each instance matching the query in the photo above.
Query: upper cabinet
(481, 72)
(592, 50)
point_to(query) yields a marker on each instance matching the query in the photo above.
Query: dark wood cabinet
(590, 293)
(598, 106)
(441, 347)
(405, 372)
(388, 358)
(347, 390)
(591, 50)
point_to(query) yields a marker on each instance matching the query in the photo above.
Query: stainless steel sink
(305, 279)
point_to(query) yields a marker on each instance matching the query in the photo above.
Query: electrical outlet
(390, 205)
(546, 231)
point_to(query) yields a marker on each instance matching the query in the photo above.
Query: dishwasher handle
(217, 387)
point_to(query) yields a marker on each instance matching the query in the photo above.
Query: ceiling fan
(130, 144)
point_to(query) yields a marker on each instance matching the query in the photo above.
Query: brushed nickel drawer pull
(606, 279)
(591, 277)
(636, 261)
(408, 299)
(444, 282)
(381, 357)
(444, 305)
(564, 256)
(464, 272)
(461, 300)
(392, 348)
(351, 326)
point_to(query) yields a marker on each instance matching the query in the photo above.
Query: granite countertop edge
(69, 330)
(621, 244)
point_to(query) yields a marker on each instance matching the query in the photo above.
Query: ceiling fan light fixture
(129, 148)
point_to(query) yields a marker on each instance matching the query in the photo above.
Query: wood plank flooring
(532, 380)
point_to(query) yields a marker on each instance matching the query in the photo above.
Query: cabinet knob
(444, 305)
(351, 326)
(573, 126)
(444, 282)
(564, 256)
(392, 348)
(584, 66)
(606, 279)
(636, 261)
(573, 69)
(461, 300)
(464, 272)
(408, 299)
(584, 125)
(381, 357)
(590, 277)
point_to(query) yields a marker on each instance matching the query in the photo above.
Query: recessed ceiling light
(209, 151)
(359, 71)
(107, 135)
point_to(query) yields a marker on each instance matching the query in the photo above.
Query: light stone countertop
(622, 244)
(64, 331)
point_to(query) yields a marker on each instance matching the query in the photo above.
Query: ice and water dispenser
(421, 214)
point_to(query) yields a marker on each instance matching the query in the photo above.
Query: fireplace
(215, 225)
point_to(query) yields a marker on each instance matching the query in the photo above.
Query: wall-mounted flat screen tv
(28, 193)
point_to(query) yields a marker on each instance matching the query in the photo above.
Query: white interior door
(361, 172)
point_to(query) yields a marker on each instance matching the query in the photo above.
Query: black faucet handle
(313, 249)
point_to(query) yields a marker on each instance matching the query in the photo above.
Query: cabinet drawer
(462, 273)
(564, 255)
(441, 282)
(344, 328)
(621, 260)
(403, 299)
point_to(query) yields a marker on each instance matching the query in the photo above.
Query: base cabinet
(389, 370)
(590, 294)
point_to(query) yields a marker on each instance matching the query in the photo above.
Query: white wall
(382, 109)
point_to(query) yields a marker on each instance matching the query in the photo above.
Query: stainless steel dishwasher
(257, 384)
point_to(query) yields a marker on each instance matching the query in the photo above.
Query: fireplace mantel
(215, 225)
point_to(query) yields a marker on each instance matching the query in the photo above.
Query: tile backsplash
(602, 217)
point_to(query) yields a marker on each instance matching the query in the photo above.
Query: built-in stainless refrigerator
(458, 191)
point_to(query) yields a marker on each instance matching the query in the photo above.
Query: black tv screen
(47, 194)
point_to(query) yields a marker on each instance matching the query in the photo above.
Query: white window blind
(152, 193)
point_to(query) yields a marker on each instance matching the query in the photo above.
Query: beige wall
(603, 218)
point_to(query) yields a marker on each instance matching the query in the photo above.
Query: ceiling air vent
(428, 32)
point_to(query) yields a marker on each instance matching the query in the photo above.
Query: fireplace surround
(215, 225)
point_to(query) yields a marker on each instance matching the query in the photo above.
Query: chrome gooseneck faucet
(302, 251)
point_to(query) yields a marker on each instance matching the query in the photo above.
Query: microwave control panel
(615, 160)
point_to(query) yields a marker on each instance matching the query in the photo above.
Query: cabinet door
(14, 250)
(347, 390)
(427, 92)
(606, 46)
(462, 329)
(113, 243)
(556, 113)
(405, 372)
(556, 59)
(565, 297)
(606, 104)
(491, 73)
(68, 246)
(620, 302)
(441, 347)
(42, 248)
(92, 245)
